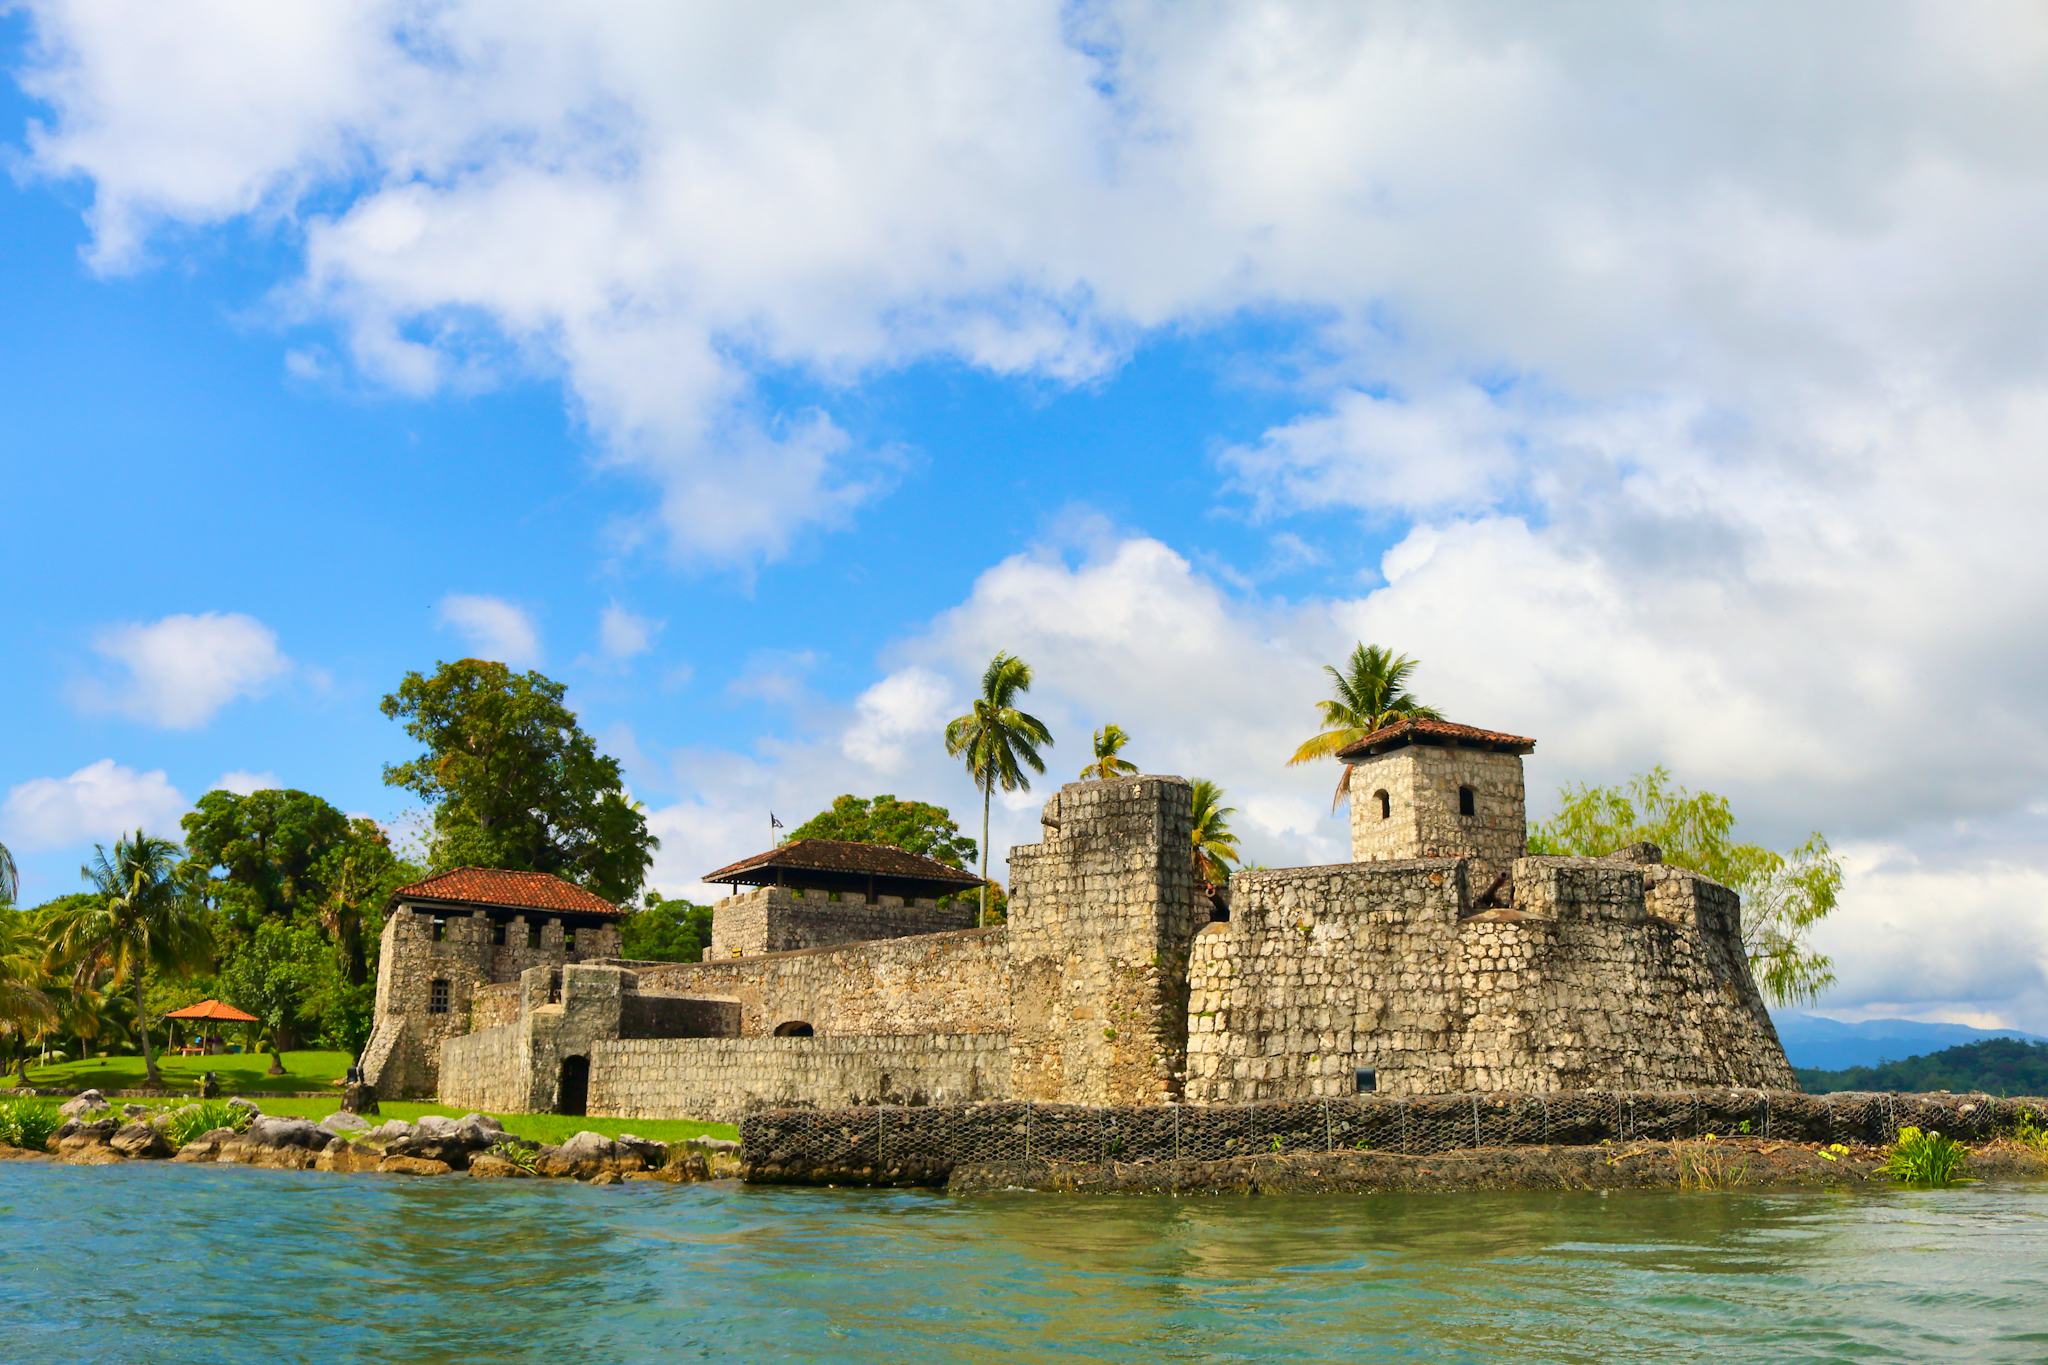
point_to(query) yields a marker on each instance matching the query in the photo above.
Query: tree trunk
(982, 922)
(142, 1027)
(276, 1058)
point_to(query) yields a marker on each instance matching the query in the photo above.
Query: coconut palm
(25, 1006)
(10, 877)
(1369, 693)
(140, 918)
(1109, 740)
(1215, 845)
(998, 742)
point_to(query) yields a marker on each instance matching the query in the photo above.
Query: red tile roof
(513, 890)
(837, 858)
(1420, 731)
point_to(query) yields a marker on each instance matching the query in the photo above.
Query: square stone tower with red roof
(1434, 789)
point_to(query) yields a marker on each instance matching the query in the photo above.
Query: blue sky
(758, 381)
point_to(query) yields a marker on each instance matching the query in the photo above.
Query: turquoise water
(161, 1263)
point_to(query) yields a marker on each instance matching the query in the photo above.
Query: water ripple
(221, 1264)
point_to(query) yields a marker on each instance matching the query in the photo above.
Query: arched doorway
(795, 1028)
(572, 1094)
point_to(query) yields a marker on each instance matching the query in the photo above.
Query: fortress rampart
(1442, 959)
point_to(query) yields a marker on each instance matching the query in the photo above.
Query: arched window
(1468, 801)
(1386, 806)
(795, 1028)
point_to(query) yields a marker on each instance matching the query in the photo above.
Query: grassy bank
(550, 1128)
(240, 1073)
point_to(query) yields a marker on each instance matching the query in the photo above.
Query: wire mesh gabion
(922, 1144)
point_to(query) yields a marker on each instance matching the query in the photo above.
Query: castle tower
(1103, 913)
(1432, 789)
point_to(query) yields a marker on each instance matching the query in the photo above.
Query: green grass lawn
(240, 1073)
(245, 1075)
(550, 1128)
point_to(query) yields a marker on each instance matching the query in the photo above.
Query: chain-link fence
(921, 1145)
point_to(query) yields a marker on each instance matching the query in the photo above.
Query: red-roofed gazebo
(210, 1012)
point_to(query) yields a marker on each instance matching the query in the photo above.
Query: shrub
(28, 1123)
(183, 1124)
(525, 1158)
(1926, 1158)
(2029, 1131)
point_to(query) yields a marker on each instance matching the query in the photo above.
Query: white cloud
(1384, 452)
(904, 708)
(242, 782)
(180, 671)
(99, 803)
(664, 203)
(623, 635)
(493, 628)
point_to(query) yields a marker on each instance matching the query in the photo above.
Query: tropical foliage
(1370, 692)
(916, 826)
(140, 918)
(665, 930)
(28, 1123)
(1783, 894)
(515, 782)
(1109, 742)
(997, 741)
(1215, 846)
(1926, 1158)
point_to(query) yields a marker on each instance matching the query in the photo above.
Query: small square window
(533, 934)
(568, 940)
(437, 996)
(498, 932)
(440, 928)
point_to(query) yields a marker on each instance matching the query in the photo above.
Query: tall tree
(1370, 692)
(10, 877)
(916, 826)
(26, 1003)
(997, 742)
(515, 782)
(665, 930)
(1215, 846)
(140, 918)
(1109, 742)
(1783, 894)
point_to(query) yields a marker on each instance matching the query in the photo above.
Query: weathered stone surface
(134, 1111)
(247, 1105)
(207, 1146)
(651, 1155)
(272, 1132)
(588, 1146)
(389, 1131)
(413, 1165)
(85, 1104)
(345, 1157)
(140, 1142)
(488, 1167)
(774, 919)
(359, 1097)
(345, 1124)
(452, 1142)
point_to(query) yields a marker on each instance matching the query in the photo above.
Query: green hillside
(1997, 1066)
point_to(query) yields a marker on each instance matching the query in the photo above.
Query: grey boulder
(140, 1142)
(83, 1103)
(342, 1122)
(283, 1132)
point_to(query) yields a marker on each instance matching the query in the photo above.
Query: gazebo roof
(212, 1009)
(839, 865)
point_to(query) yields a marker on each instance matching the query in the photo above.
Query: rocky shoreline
(95, 1134)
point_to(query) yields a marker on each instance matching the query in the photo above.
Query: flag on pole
(773, 825)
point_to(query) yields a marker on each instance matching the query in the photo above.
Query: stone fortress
(1441, 959)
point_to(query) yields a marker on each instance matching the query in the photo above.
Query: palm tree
(10, 877)
(25, 1005)
(1109, 740)
(1369, 693)
(1215, 845)
(141, 918)
(997, 742)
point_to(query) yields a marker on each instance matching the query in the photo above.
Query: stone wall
(956, 982)
(774, 919)
(404, 1054)
(677, 1016)
(1606, 974)
(488, 1070)
(719, 1079)
(1423, 819)
(1102, 914)
(493, 1005)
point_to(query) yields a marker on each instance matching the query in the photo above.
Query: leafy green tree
(514, 780)
(26, 1007)
(1109, 742)
(141, 918)
(279, 972)
(258, 854)
(665, 930)
(356, 878)
(913, 825)
(997, 742)
(1370, 692)
(1215, 845)
(1994, 1066)
(1783, 894)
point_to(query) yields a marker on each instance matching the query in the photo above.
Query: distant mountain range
(1815, 1041)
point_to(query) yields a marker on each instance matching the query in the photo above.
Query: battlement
(776, 919)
